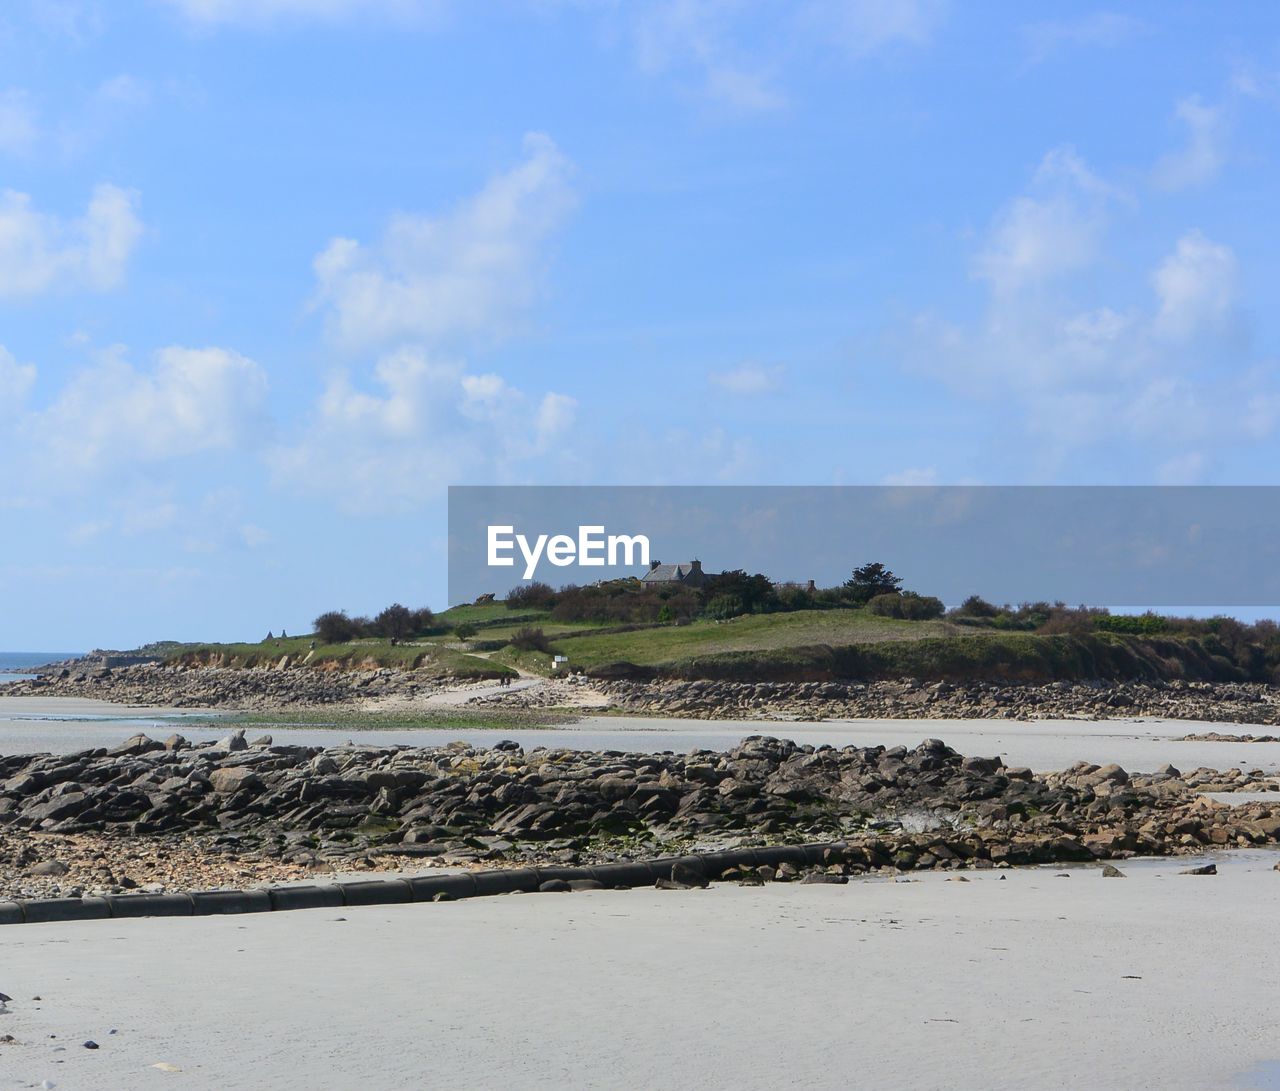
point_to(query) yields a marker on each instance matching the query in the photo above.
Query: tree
(739, 593)
(334, 627)
(869, 581)
(464, 630)
(395, 622)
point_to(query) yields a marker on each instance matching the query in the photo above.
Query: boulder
(238, 778)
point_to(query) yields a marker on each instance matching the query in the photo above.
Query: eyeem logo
(592, 548)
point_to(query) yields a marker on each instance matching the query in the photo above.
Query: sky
(276, 273)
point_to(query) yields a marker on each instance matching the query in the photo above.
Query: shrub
(976, 606)
(531, 640)
(334, 627)
(723, 607)
(535, 595)
(754, 593)
(395, 622)
(464, 630)
(795, 596)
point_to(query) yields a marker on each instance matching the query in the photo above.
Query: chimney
(653, 565)
(810, 587)
(695, 566)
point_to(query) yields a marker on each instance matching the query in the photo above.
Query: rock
(233, 742)
(91, 1044)
(49, 868)
(586, 884)
(235, 779)
(819, 877)
(1207, 869)
(689, 871)
(554, 886)
(138, 744)
(1109, 871)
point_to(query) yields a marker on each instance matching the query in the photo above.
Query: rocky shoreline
(1233, 702)
(267, 688)
(249, 688)
(170, 815)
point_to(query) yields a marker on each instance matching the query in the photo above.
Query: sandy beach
(1045, 977)
(63, 725)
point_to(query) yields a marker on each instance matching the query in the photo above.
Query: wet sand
(67, 724)
(1031, 980)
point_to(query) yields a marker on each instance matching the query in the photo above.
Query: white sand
(62, 725)
(1158, 980)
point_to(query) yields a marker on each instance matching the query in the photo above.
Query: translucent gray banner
(1134, 546)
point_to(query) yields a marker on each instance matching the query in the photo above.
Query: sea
(16, 665)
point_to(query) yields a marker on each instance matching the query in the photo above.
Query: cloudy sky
(275, 273)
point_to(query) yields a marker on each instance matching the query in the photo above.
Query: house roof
(667, 573)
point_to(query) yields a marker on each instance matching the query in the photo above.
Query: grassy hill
(850, 643)
(433, 657)
(804, 645)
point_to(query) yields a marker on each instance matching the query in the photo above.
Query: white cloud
(1184, 469)
(471, 272)
(16, 381)
(41, 252)
(748, 379)
(263, 12)
(18, 128)
(1173, 377)
(1100, 30)
(76, 20)
(1196, 285)
(428, 423)
(915, 475)
(865, 27)
(193, 401)
(693, 40)
(1052, 230)
(737, 53)
(1204, 153)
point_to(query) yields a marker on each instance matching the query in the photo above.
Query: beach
(1044, 977)
(63, 725)
(910, 974)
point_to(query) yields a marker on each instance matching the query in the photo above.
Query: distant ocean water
(15, 665)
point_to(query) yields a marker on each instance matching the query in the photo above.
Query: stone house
(684, 574)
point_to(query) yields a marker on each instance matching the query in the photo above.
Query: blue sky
(274, 273)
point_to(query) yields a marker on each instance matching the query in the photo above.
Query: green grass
(822, 644)
(433, 658)
(491, 613)
(751, 633)
(550, 628)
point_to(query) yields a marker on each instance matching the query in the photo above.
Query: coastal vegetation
(743, 626)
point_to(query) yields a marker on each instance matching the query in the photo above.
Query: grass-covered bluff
(745, 628)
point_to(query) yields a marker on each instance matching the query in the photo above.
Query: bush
(908, 606)
(723, 607)
(395, 622)
(464, 630)
(531, 640)
(976, 606)
(535, 595)
(754, 593)
(334, 627)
